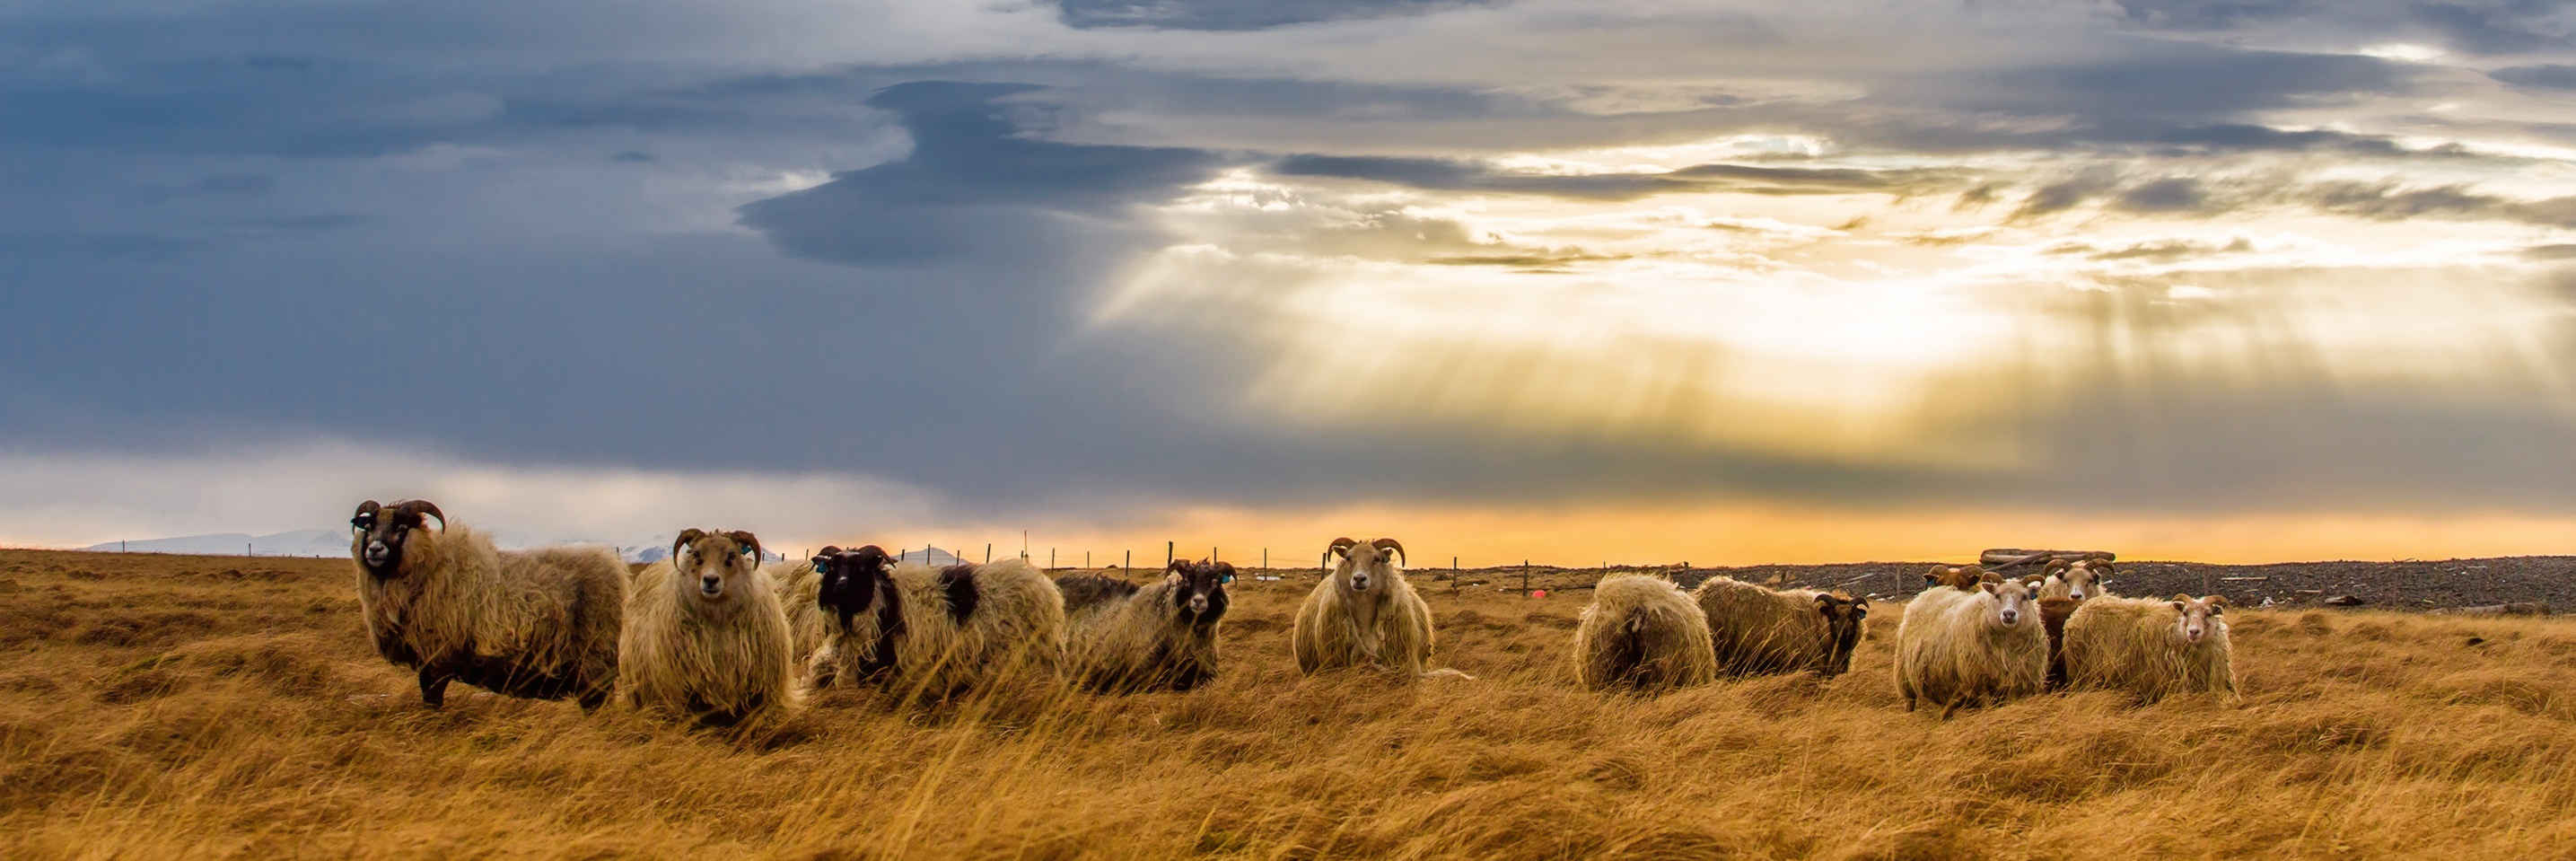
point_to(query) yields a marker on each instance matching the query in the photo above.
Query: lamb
(2151, 649)
(541, 624)
(934, 632)
(705, 636)
(1763, 631)
(1642, 633)
(1363, 613)
(2077, 579)
(1955, 648)
(1159, 637)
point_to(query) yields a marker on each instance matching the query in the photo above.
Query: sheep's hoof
(433, 689)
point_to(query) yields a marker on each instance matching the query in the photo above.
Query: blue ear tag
(1226, 579)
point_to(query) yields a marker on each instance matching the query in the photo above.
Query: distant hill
(302, 542)
(335, 542)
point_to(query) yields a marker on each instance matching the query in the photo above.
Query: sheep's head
(1198, 590)
(2200, 617)
(850, 579)
(715, 567)
(2013, 601)
(1961, 577)
(1843, 614)
(2084, 578)
(1364, 568)
(380, 534)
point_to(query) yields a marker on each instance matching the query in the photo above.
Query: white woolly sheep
(1762, 631)
(797, 588)
(1959, 648)
(1159, 637)
(1363, 613)
(705, 637)
(1641, 632)
(921, 631)
(2077, 579)
(541, 624)
(2151, 649)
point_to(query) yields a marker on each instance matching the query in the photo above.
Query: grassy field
(172, 706)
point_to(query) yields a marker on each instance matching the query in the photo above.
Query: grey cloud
(1454, 175)
(2159, 251)
(2544, 77)
(1237, 14)
(2173, 194)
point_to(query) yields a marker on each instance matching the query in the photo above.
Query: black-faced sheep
(1363, 613)
(1642, 633)
(1759, 631)
(541, 624)
(918, 630)
(705, 636)
(2151, 649)
(2077, 579)
(1957, 648)
(1158, 637)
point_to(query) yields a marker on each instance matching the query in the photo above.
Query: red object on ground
(1538, 593)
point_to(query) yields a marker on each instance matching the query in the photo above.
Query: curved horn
(2056, 565)
(1180, 565)
(1386, 544)
(423, 506)
(1339, 545)
(686, 536)
(365, 509)
(747, 539)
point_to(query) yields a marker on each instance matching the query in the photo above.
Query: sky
(1581, 281)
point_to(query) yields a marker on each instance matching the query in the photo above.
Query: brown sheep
(541, 624)
(705, 637)
(1757, 630)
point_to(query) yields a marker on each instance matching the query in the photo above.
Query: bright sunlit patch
(2403, 52)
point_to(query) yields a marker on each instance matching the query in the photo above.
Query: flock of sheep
(1971, 637)
(712, 634)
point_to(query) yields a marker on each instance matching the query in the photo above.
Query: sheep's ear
(2216, 602)
(1989, 586)
(687, 537)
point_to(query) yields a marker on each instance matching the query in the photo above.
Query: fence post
(1524, 578)
(1050, 557)
(1453, 575)
(1131, 561)
(988, 553)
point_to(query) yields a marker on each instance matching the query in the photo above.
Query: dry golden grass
(155, 706)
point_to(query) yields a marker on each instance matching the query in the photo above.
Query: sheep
(2078, 579)
(1955, 648)
(541, 624)
(934, 632)
(1159, 637)
(2151, 649)
(796, 585)
(2053, 613)
(1762, 631)
(705, 636)
(1960, 577)
(1084, 590)
(1363, 613)
(1641, 632)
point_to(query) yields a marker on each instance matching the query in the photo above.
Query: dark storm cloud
(970, 177)
(2173, 194)
(2544, 77)
(1238, 14)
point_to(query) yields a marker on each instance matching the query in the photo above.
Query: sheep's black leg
(433, 685)
(592, 699)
